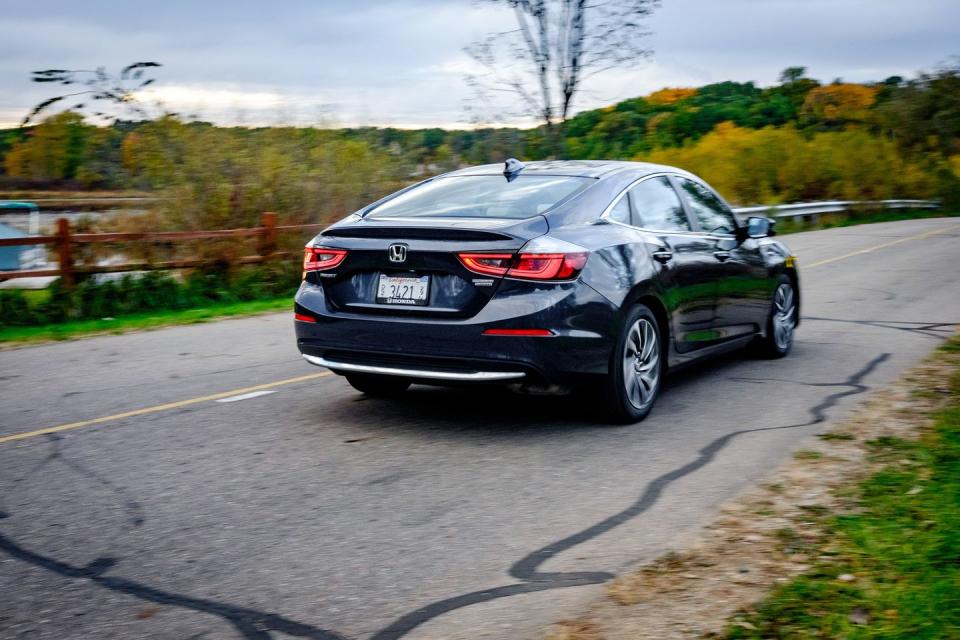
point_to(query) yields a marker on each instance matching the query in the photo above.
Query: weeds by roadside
(857, 536)
(15, 336)
(127, 301)
(889, 567)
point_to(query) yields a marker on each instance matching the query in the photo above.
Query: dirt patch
(769, 533)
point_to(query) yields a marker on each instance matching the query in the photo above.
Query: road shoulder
(762, 564)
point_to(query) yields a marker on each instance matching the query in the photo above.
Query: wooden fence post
(268, 239)
(65, 252)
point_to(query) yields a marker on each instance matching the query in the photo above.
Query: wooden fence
(64, 242)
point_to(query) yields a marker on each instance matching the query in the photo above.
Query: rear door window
(714, 216)
(657, 206)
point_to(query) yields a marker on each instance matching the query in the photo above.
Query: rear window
(481, 197)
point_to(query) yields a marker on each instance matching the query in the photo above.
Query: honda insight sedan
(545, 276)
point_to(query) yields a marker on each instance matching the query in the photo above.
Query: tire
(781, 322)
(377, 386)
(636, 368)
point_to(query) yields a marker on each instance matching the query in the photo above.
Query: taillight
(321, 258)
(527, 266)
(491, 264)
(548, 266)
(302, 317)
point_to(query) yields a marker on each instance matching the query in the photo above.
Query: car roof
(581, 168)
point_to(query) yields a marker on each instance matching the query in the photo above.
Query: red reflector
(321, 259)
(517, 332)
(303, 318)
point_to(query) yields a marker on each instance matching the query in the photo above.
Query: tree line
(797, 140)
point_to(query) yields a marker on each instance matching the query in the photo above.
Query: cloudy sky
(392, 62)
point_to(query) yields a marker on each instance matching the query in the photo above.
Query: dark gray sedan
(549, 275)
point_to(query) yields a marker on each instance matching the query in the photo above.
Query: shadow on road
(495, 410)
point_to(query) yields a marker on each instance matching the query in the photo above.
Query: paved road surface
(310, 511)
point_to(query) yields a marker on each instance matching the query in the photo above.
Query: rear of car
(455, 280)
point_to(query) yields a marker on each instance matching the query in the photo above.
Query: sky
(401, 63)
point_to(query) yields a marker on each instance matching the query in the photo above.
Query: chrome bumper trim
(475, 376)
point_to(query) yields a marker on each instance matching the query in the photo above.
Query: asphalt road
(309, 511)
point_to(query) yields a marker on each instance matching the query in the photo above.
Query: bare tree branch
(101, 87)
(557, 46)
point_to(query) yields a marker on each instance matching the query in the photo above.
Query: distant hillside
(800, 139)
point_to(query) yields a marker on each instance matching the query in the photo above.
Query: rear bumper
(411, 372)
(583, 323)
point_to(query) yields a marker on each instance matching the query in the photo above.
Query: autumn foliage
(794, 141)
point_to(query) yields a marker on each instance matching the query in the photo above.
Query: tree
(792, 74)
(99, 87)
(839, 103)
(557, 46)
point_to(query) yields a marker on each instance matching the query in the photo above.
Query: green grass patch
(832, 435)
(894, 564)
(135, 322)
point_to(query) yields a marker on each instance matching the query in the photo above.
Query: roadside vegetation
(147, 300)
(891, 567)
(857, 537)
(16, 335)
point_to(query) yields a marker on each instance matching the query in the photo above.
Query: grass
(891, 568)
(153, 320)
(849, 219)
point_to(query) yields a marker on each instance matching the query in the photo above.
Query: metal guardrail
(813, 209)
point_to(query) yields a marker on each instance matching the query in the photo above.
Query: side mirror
(758, 227)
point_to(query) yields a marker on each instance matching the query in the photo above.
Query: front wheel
(378, 386)
(781, 322)
(636, 367)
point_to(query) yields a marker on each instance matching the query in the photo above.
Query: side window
(658, 207)
(621, 212)
(714, 216)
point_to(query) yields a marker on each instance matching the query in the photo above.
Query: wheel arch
(647, 296)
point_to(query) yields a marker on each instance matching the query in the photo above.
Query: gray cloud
(383, 62)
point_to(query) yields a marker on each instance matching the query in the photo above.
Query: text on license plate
(403, 289)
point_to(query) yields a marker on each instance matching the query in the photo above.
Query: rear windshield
(481, 197)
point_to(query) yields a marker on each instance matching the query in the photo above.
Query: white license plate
(409, 290)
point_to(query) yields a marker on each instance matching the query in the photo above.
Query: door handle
(722, 256)
(662, 256)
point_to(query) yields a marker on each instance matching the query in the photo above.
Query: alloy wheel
(641, 363)
(784, 316)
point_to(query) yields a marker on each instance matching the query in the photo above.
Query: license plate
(408, 290)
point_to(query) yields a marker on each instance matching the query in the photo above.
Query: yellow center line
(160, 407)
(881, 246)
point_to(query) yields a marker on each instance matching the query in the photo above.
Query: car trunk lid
(410, 267)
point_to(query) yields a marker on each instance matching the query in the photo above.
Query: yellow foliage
(761, 166)
(840, 101)
(52, 151)
(671, 95)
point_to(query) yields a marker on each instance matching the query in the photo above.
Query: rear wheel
(378, 386)
(781, 322)
(636, 367)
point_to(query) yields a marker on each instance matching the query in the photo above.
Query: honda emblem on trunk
(397, 253)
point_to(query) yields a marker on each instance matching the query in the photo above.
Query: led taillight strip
(321, 258)
(526, 266)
